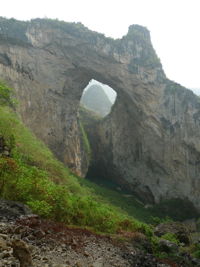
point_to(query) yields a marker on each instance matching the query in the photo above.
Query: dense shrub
(6, 95)
(31, 185)
(171, 237)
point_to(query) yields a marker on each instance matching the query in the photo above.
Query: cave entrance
(98, 98)
(96, 104)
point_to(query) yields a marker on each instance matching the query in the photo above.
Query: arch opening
(95, 106)
(98, 98)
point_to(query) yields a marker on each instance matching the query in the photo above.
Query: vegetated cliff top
(17, 29)
(12, 29)
(96, 100)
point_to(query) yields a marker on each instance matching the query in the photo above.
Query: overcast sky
(174, 26)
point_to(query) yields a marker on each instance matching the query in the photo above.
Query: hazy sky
(174, 26)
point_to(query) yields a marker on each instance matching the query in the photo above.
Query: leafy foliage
(171, 237)
(196, 250)
(31, 185)
(157, 220)
(33, 176)
(170, 209)
(85, 140)
(124, 203)
(6, 95)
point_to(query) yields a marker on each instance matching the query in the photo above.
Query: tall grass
(34, 176)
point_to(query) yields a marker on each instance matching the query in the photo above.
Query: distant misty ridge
(111, 94)
(98, 98)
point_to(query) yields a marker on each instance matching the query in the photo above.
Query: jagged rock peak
(138, 30)
(17, 29)
(134, 48)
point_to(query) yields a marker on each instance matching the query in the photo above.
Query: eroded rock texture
(149, 143)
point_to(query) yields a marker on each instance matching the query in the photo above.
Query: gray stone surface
(10, 210)
(149, 143)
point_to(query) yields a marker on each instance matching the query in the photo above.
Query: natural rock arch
(98, 98)
(150, 141)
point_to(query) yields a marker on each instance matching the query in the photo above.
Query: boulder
(178, 229)
(10, 210)
(22, 252)
(167, 246)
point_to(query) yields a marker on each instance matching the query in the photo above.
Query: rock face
(11, 210)
(95, 99)
(150, 141)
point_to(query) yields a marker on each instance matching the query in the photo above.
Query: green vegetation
(195, 250)
(125, 203)
(85, 140)
(165, 211)
(88, 117)
(87, 120)
(171, 237)
(171, 209)
(5, 95)
(33, 176)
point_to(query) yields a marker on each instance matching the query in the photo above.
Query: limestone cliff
(150, 141)
(155, 155)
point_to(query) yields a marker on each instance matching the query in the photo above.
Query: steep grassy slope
(32, 175)
(168, 210)
(107, 189)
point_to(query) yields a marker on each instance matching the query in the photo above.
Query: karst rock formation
(150, 142)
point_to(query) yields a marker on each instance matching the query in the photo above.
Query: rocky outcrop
(22, 252)
(156, 153)
(150, 141)
(180, 230)
(11, 210)
(31, 241)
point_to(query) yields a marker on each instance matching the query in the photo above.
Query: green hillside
(32, 175)
(29, 173)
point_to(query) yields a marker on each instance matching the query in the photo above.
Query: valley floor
(41, 243)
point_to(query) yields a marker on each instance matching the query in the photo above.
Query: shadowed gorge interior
(95, 105)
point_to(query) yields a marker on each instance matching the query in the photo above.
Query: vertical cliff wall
(155, 155)
(150, 141)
